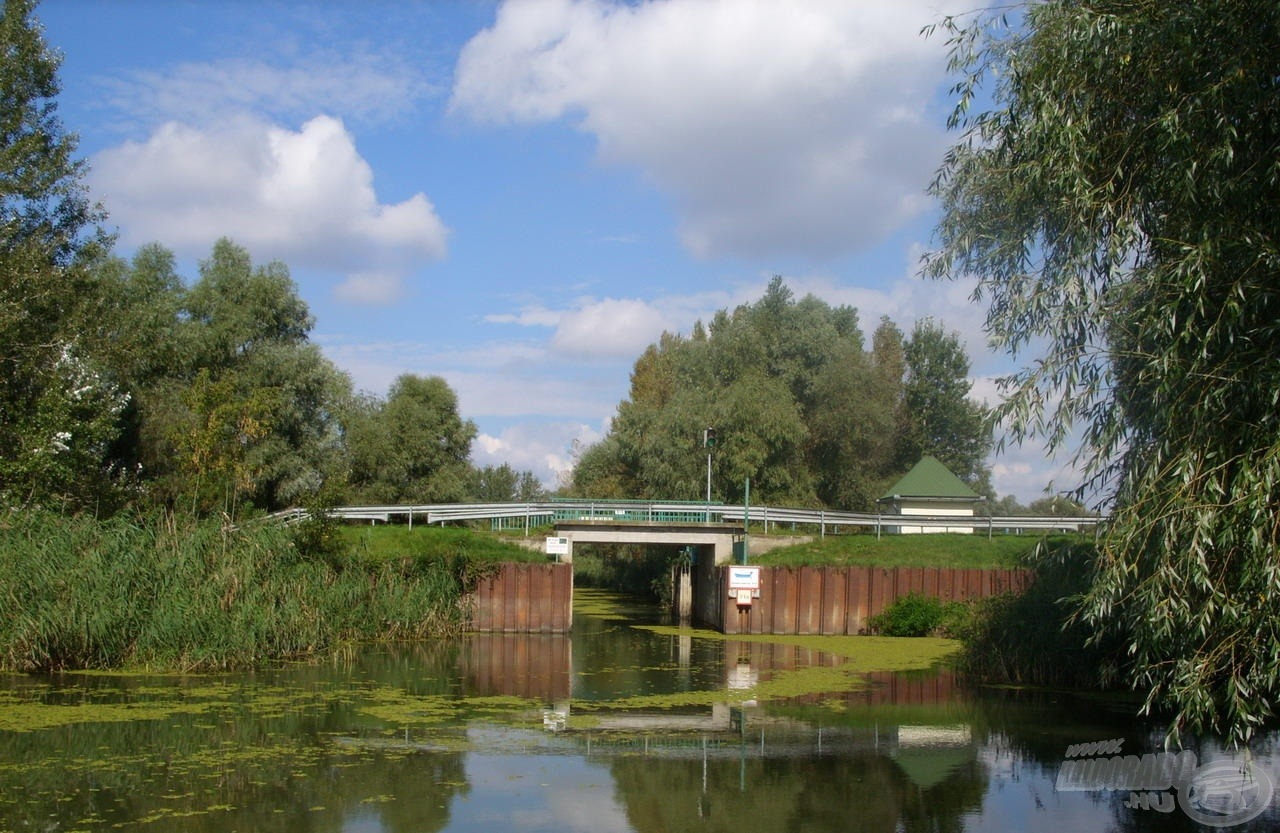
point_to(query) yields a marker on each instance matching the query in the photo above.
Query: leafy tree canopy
(1117, 204)
(412, 446)
(57, 409)
(799, 406)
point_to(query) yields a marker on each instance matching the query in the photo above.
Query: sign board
(744, 578)
(557, 546)
(744, 598)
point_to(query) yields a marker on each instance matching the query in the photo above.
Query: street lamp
(708, 442)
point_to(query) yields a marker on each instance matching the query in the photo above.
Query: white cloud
(364, 86)
(617, 327)
(612, 329)
(305, 197)
(797, 127)
(535, 316)
(369, 288)
(546, 449)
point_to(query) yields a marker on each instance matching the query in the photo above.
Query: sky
(520, 196)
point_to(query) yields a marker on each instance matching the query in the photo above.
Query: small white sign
(557, 546)
(744, 598)
(744, 578)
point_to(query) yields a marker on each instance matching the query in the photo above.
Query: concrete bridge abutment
(720, 538)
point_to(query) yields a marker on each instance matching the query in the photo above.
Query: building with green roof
(930, 489)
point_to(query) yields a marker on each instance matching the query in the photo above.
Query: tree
(411, 447)
(230, 401)
(801, 407)
(502, 483)
(57, 408)
(938, 417)
(43, 199)
(1117, 205)
(854, 435)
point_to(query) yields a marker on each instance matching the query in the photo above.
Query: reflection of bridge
(544, 513)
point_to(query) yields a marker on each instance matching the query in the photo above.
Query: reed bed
(160, 593)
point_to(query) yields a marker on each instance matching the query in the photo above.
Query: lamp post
(708, 442)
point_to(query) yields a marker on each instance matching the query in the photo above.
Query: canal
(625, 725)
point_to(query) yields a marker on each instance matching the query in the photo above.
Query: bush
(918, 615)
(1032, 638)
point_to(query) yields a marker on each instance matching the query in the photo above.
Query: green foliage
(388, 542)
(412, 447)
(933, 550)
(228, 403)
(1032, 637)
(798, 404)
(942, 421)
(917, 615)
(43, 198)
(178, 595)
(1117, 207)
(502, 483)
(319, 535)
(57, 409)
(635, 570)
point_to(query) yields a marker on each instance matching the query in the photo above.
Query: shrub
(1033, 638)
(918, 615)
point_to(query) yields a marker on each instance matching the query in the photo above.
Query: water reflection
(614, 728)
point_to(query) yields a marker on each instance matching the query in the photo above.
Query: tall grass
(1032, 637)
(165, 594)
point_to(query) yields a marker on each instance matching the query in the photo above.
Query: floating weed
(602, 604)
(30, 717)
(400, 708)
(866, 653)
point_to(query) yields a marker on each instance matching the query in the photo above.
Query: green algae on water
(865, 653)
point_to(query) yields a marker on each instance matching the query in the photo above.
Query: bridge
(527, 516)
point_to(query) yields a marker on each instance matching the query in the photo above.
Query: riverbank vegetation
(1114, 204)
(935, 550)
(164, 594)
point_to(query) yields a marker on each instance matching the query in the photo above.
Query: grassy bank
(374, 544)
(936, 550)
(162, 594)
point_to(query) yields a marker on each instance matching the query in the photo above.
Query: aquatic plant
(160, 592)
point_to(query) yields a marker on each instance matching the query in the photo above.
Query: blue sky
(521, 196)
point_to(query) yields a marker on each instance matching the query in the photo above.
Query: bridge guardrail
(537, 513)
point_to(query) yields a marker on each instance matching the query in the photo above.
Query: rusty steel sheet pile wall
(840, 600)
(524, 598)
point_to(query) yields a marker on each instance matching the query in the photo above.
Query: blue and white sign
(744, 578)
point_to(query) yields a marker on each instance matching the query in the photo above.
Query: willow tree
(1118, 205)
(57, 409)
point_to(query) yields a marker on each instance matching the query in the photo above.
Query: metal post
(746, 521)
(708, 517)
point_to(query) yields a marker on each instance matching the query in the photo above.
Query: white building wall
(937, 509)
